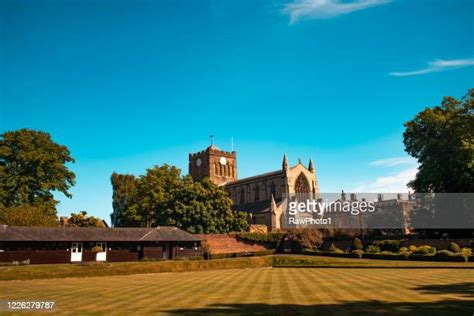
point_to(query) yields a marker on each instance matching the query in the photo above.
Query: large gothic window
(302, 185)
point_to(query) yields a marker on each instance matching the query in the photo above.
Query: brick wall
(121, 255)
(153, 252)
(36, 257)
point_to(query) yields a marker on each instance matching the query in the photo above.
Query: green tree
(442, 139)
(32, 167)
(123, 201)
(26, 215)
(82, 220)
(163, 197)
(155, 190)
(201, 207)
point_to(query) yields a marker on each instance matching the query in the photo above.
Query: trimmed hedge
(127, 268)
(454, 247)
(388, 245)
(357, 244)
(271, 239)
(390, 256)
(241, 254)
(330, 254)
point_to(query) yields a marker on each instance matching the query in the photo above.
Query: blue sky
(130, 84)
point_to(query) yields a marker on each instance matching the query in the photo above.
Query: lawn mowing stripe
(256, 278)
(105, 292)
(363, 283)
(147, 295)
(140, 294)
(189, 286)
(110, 288)
(192, 295)
(379, 284)
(262, 286)
(314, 287)
(303, 292)
(371, 282)
(142, 291)
(276, 288)
(346, 285)
(408, 284)
(223, 289)
(272, 289)
(240, 288)
(285, 290)
(392, 283)
(321, 290)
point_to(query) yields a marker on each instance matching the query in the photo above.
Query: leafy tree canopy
(442, 139)
(163, 197)
(32, 166)
(27, 215)
(124, 188)
(82, 220)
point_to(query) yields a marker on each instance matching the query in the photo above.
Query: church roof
(256, 207)
(257, 177)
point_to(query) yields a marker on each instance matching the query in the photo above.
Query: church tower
(218, 165)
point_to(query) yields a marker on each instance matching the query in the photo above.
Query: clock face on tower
(223, 161)
(198, 162)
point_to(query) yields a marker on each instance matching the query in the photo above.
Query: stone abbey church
(261, 196)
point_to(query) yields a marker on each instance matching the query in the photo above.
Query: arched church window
(257, 193)
(302, 187)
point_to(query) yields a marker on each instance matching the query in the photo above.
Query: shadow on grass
(444, 307)
(462, 289)
(436, 307)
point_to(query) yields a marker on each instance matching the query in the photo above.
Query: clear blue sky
(129, 84)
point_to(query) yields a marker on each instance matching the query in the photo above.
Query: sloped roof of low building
(162, 233)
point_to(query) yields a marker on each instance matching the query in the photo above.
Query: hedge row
(385, 256)
(126, 268)
(241, 254)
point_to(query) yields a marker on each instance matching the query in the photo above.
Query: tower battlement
(218, 165)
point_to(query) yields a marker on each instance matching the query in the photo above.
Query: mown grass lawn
(51, 271)
(259, 290)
